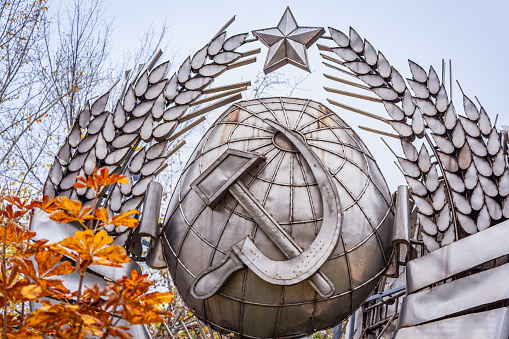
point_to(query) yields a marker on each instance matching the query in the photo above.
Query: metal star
(288, 43)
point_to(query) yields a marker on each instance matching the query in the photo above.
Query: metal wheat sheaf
(200, 237)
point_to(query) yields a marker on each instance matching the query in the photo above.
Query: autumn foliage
(31, 271)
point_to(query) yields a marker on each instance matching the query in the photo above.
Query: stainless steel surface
(197, 237)
(456, 258)
(489, 324)
(288, 43)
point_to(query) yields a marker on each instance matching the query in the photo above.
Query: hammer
(224, 176)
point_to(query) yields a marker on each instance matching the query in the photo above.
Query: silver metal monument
(282, 223)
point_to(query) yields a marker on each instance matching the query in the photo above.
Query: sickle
(309, 261)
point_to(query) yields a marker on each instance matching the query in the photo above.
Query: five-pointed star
(288, 43)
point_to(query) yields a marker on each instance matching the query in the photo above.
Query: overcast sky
(471, 33)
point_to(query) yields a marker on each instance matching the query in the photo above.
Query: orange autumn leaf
(31, 292)
(100, 178)
(101, 214)
(46, 204)
(67, 210)
(124, 220)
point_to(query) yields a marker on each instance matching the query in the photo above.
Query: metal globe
(198, 237)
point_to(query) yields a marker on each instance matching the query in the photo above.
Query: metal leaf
(432, 179)
(187, 97)
(461, 203)
(159, 73)
(119, 116)
(142, 108)
(403, 129)
(370, 54)
(424, 160)
(398, 83)
(420, 90)
(444, 144)
(141, 186)
(484, 123)
(175, 112)
(470, 127)
(499, 164)
(409, 150)
(442, 101)
(141, 85)
(87, 143)
(477, 147)
(458, 136)
(90, 162)
(464, 157)
(199, 58)
(151, 166)
(164, 130)
(418, 73)
(125, 189)
(430, 243)
(426, 106)
(123, 140)
(470, 109)
(84, 116)
(100, 104)
(75, 136)
(49, 189)
(146, 129)
(477, 198)
(101, 148)
(55, 173)
(233, 42)
(455, 182)
(97, 123)
(384, 68)
(64, 154)
(450, 163)
(408, 104)
(339, 37)
(171, 89)
(109, 129)
(216, 44)
(439, 197)
(503, 184)
(372, 80)
(418, 123)
(444, 218)
(77, 162)
(345, 53)
(394, 111)
(416, 186)
(225, 58)
(433, 81)
(116, 199)
(117, 156)
(129, 99)
(68, 180)
(423, 206)
(212, 70)
(156, 150)
(198, 83)
(471, 177)
(450, 117)
(488, 186)
(467, 224)
(184, 71)
(133, 125)
(493, 145)
(131, 204)
(435, 125)
(358, 67)
(158, 108)
(494, 208)
(448, 237)
(427, 224)
(386, 93)
(483, 219)
(409, 168)
(356, 41)
(506, 207)
(155, 90)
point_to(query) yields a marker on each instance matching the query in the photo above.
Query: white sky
(471, 33)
